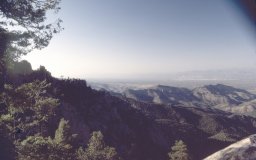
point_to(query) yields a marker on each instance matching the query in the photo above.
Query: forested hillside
(48, 118)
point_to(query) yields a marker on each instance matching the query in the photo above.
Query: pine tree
(42, 148)
(24, 27)
(62, 134)
(97, 149)
(179, 151)
(64, 140)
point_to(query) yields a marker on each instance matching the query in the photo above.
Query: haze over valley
(240, 78)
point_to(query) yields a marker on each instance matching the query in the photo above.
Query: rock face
(242, 150)
(21, 68)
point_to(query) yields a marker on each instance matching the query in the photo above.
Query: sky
(125, 39)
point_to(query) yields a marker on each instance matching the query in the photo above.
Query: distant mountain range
(218, 96)
(223, 97)
(239, 78)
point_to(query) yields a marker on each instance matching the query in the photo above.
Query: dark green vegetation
(179, 151)
(33, 127)
(97, 149)
(48, 118)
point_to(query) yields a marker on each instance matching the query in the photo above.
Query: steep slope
(147, 131)
(244, 149)
(206, 128)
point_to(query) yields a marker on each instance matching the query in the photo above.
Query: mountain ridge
(223, 97)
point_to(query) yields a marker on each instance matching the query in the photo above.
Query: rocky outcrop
(242, 150)
(20, 68)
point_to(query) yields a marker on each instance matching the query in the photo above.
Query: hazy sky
(131, 38)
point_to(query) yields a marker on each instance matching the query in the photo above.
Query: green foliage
(24, 24)
(33, 96)
(97, 150)
(29, 107)
(23, 28)
(63, 133)
(29, 110)
(40, 148)
(34, 89)
(33, 148)
(179, 151)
